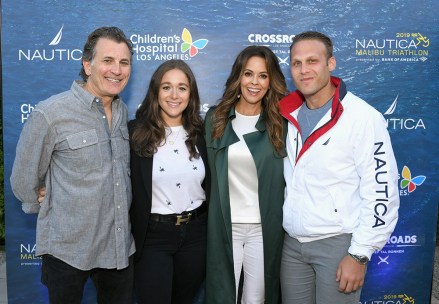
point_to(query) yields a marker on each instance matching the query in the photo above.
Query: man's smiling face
(109, 70)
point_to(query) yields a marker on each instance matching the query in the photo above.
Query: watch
(361, 259)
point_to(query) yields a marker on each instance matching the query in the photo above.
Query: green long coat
(220, 277)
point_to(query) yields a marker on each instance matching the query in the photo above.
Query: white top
(176, 180)
(243, 178)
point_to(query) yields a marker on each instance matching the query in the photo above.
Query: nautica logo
(392, 107)
(52, 53)
(57, 38)
(402, 123)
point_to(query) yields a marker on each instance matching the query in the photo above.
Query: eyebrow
(264, 72)
(112, 58)
(181, 83)
(314, 56)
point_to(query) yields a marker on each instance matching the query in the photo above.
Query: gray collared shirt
(66, 147)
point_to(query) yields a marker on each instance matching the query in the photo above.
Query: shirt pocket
(122, 147)
(84, 150)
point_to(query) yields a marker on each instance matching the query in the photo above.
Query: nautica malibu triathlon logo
(50, 53)
(27, 255)
(397, 123)
(401, 298)
(148, 47)
(402, 47)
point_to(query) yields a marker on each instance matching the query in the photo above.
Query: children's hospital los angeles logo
(53, 51)
(192, 46)
(150, 47)
(408, 182)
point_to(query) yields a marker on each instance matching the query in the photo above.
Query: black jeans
(173, 262)
(66, 283)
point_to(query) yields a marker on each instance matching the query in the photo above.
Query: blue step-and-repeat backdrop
(387, 52)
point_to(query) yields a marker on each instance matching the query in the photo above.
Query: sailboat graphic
(57, 38)
(392, 107)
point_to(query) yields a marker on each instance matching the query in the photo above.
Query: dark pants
(66, 283)
(173, 262)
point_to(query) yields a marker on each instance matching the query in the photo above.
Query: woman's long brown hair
(278, 89)
(149, 127)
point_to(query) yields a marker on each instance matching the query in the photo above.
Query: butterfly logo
(408, 181)
(192, 46)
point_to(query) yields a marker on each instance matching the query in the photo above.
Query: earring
(239, 96)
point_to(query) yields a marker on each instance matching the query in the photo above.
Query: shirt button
(117, 184)
(103, 117)
(118, 207)
(84, 141)
(118, 229)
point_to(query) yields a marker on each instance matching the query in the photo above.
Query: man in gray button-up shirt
(76, 145)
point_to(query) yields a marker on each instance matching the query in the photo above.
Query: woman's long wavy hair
(270, 102)
(149, 127)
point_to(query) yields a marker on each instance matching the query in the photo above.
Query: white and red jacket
(344, 178)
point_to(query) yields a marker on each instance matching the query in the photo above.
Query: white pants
(248, 254)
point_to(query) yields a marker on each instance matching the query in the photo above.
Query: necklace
(170, 140)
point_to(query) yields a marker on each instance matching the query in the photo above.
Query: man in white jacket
(341, 200)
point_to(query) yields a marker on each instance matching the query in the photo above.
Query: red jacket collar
(293, 101)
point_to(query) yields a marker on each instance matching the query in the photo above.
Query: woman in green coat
(245, 146)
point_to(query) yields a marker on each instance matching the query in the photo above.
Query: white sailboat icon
(57, 38)
(392, 107)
